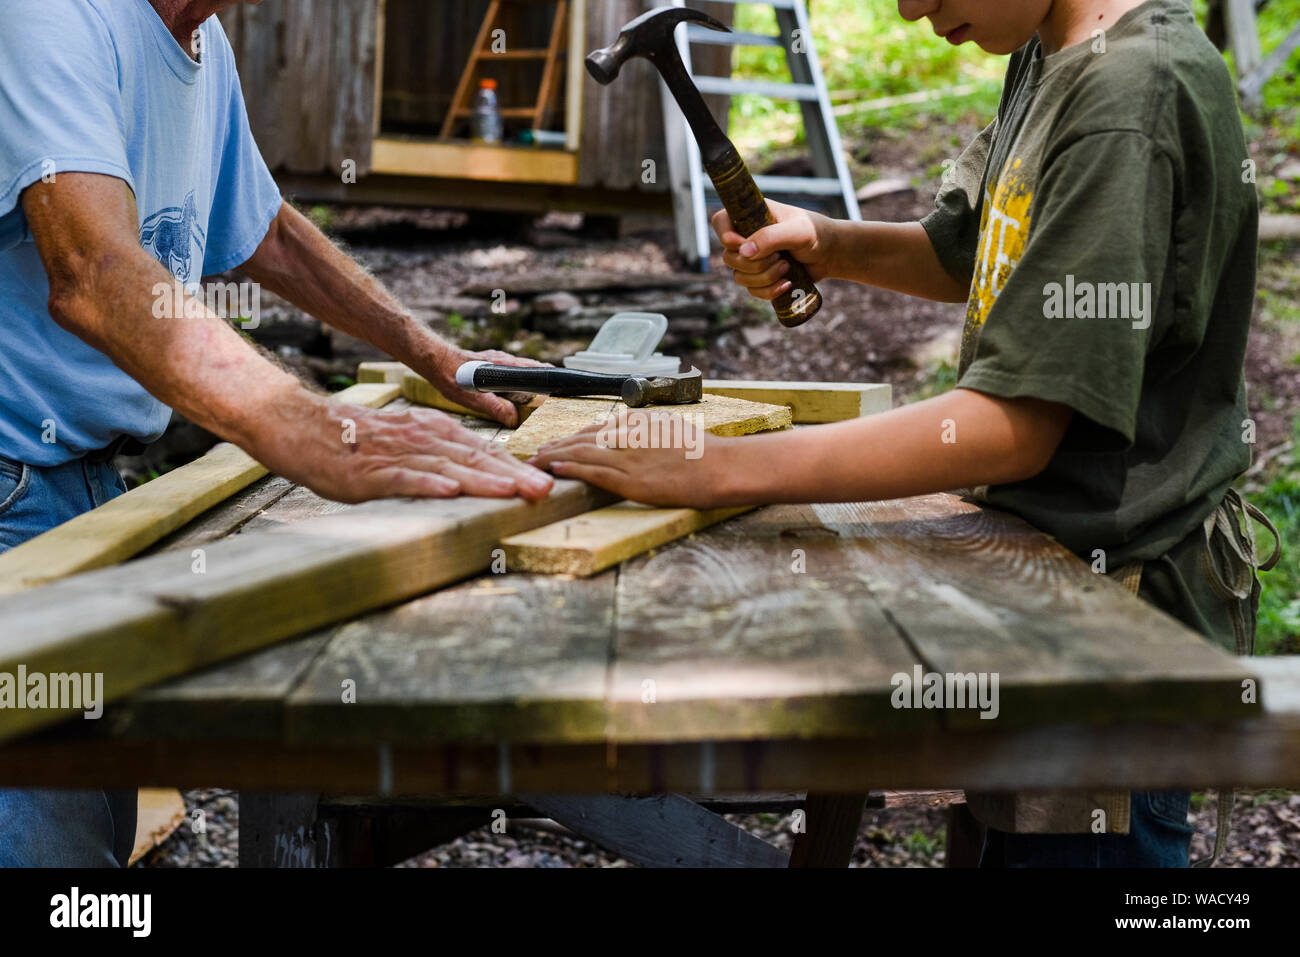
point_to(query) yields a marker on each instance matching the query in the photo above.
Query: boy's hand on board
(808, 237)
(686, 468)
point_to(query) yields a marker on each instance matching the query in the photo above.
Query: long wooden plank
(518, 658)
(600, 539)
(161, 616)
(719, 415)
(745, 631)
(665, 830)
(135, 520)
(810, 402)
(978, 591)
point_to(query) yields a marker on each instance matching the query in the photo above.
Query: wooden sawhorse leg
(831, 824)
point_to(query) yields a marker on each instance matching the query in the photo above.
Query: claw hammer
(651, 36)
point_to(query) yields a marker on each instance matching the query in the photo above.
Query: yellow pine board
(720, 415)
(419, 390)
(595, 541)
(132, 522)
(810, 402)
(381, 372)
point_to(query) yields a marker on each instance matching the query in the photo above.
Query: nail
(748, 250)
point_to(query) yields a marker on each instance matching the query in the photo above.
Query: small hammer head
(640, 391)
(649, 35)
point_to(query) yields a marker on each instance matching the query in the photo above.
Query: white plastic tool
(625, 345)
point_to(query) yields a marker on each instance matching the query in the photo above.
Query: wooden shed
(364, 87)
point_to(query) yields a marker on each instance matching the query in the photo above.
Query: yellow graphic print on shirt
(1004, 229)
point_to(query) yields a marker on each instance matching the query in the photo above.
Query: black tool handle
(541, 380)
(748, 210)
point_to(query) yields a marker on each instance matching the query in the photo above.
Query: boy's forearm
(896, 256)
(961, 439)
(299, 263)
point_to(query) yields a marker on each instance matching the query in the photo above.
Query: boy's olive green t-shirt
(1107, 221)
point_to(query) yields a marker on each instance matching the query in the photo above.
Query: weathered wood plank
(601, 539)
(502, 658)
(1254, 753)
(978, 591)
(665, 830)
(810, 402)
(760, 639)
(718, 415)
(832, 822)
(155, 618)
(135, 520)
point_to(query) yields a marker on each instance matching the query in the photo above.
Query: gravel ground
(1266, 833)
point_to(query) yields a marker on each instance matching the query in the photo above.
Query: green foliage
(939, 378)
(322, 217)
(865, 49)
(1279, 607)
(455, 321)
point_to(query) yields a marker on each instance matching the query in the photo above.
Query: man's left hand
(441, 373)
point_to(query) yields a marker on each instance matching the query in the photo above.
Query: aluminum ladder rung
(736, 38)
(810, 185)
(777, 91)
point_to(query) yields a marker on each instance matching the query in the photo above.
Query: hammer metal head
(649, 35)
(640, 391)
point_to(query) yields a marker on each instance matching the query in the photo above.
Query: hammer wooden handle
(749, 213)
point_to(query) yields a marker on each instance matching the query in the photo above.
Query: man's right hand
(808, 237)
(352, 454)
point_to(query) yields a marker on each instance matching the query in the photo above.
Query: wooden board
(513, 657)
(980, 591)
(159, 812)
(156, 617)
(600, 539)
(750, 646)
(719, 415)
(382, 372)
(418, 390)
(810, 402)
(135, 520)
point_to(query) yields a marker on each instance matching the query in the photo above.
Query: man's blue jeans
(1159, 836)
(46, 827)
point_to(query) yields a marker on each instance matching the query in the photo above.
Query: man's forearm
(957, 440)
(897, 256)
(297, 262)
(189, 358)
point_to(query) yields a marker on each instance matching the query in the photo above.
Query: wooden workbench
(758, 656)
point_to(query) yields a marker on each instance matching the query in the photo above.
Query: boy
(1103, 236)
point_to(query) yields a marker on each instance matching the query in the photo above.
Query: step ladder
(540, 111)
(1233, 23)
(831, 186)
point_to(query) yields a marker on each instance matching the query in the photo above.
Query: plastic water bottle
(487, 115)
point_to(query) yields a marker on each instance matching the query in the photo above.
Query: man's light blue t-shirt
(100, 86)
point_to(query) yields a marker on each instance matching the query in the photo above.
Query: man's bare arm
(102, 289)
(298, 263)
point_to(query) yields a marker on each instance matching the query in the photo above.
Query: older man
(126, 161)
